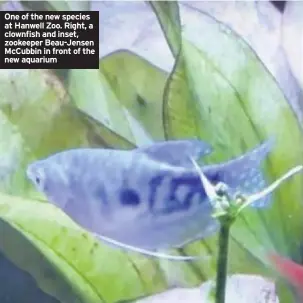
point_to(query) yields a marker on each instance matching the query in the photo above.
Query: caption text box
(52, 40)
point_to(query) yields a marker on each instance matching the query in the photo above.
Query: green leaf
(220, 92)
(139, 87)
(68, 262)
(37, 119)
(169, 19)
(125, 95)
(100, 135)
(92, 93)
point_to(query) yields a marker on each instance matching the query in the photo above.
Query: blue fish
(146, 199)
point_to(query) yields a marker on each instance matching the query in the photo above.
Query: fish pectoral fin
(142, 251)
(177, 152)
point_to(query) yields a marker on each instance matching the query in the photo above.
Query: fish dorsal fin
(177, 152)
(147, 252)
(244, 173)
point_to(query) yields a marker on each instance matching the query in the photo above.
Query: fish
(149, 198)
(289, 270)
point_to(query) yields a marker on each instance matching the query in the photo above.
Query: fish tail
(243, 174)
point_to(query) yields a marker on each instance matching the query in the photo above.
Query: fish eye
(36, 175)
(37, 180)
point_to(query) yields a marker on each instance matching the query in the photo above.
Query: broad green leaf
(92, 93)
(78, 267)
(100, 135)
(219, 91)
(139, 87)
(37, 119)
(169, 19)
(125, 95)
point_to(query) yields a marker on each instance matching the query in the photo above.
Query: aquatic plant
(227, 208)
(218, 90)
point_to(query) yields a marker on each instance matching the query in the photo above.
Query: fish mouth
(29, 172)
(33, 171)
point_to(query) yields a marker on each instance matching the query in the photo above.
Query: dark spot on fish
(84, 235)
(214, 176)
(95, 244)
(73, 249)
(191, 181)
(129, 197)
(154, 185)
(194, 186)
(279, 5)
(91, 251)
(189, 197)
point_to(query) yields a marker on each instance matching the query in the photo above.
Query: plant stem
(222, 260)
